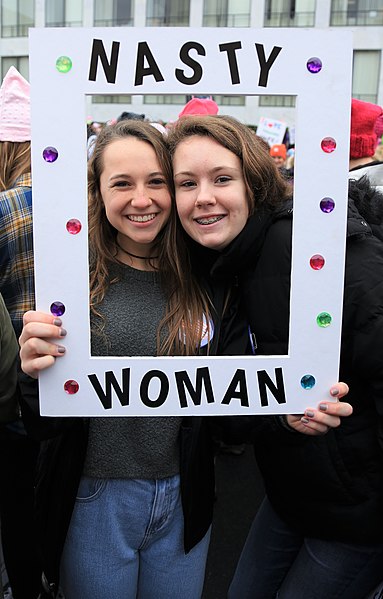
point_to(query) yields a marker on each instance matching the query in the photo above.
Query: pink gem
(328, 144)
(71, 387)
(73, 226)
(317, 262)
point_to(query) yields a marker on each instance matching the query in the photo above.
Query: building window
(167, 13)
(20, 63)
(229, 100)
(226, 13)
(111, 99)
(166, 99)
(63, 13)
(365, 75)
(356, 12)
(289, 13)
(16, 17)
(285, 101)
(113, 13)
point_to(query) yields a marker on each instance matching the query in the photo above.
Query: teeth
(141, 219)
(208, 221)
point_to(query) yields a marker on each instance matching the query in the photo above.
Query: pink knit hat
(363, 139)
(379, 126)
(199, 106)
(15, 118)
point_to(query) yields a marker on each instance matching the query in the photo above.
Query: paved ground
(239, 493)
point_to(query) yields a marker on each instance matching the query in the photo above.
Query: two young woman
(133, 520)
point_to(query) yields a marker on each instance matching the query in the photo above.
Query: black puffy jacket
(328, 486)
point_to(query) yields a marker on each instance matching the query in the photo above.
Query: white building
(363, 17)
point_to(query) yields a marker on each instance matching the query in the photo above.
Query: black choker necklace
(134, 255)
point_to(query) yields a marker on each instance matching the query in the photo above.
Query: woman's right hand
(37, 348)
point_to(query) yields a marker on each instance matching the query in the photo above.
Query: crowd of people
(189, 225)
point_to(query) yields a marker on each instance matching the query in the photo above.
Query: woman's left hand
(328, 414)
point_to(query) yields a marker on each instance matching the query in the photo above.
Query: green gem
(63, 64)
(324, 319)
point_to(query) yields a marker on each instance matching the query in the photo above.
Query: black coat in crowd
(328, 486)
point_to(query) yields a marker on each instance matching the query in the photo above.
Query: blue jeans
(276, 562)
(125, 541)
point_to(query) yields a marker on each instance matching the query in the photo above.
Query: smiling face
(279, 161)
(210, 191)
(135, 193)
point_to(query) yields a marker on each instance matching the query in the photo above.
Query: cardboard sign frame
(66, 65)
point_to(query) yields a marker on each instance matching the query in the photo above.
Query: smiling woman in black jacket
(319, 532)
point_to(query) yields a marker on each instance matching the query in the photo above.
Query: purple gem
(314, 65)
(327, 205)
(57, 309)
(50, 154)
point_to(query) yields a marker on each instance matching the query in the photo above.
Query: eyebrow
(212, 171)
(127, 175)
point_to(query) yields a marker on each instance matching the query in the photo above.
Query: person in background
(9, 350)
(18, 452)
(93, 129)
(278, 152)
(9, 406)
(319, 531)
(378, 129)
(365, 120)
(199, 106)
(130, 116)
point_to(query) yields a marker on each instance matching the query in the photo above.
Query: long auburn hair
(264, 183)
(15, 160)
(180, 330)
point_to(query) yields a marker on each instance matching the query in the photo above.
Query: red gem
(317, 262)
(328, 144)
(73, 226)
(71, 387)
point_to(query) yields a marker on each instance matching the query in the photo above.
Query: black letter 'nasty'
(110, 68)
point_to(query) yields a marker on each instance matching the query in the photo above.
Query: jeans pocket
(90, 488)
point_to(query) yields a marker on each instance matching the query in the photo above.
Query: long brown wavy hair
(179, 332)
(15, 160)
(264, 183)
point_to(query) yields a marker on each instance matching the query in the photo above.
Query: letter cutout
(111, 382)
(143, 52)
(230, 48)
(110, 68)
(278, 390)
(144, 389)
(239, 379)
(202, 378)
(266, 64)
(186, 59)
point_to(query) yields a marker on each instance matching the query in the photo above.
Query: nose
(141, 198)
(205, 196)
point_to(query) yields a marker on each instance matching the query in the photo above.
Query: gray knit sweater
(140, 447)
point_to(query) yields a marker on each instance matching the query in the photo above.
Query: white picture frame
(66, 65)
